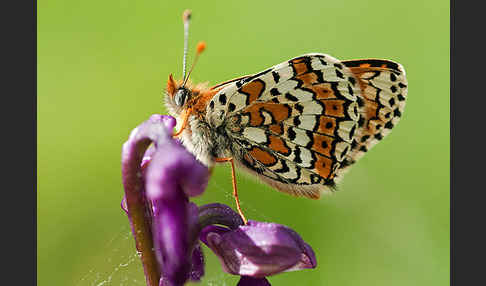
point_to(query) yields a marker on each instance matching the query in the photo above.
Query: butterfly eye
(181, 96)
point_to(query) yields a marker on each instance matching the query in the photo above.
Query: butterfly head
(181, 96)
(178, 95)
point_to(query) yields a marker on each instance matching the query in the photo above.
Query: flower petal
(219, 214)
(172, 167)
(259, 249)
(197, 270)
(172, 175)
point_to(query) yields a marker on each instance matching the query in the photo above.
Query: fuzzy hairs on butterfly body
(198, 137)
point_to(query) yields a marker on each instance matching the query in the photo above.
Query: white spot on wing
(345, 129)
(343, 87)
(306, 157)
(316, 64)
(245, 119)
(311, 107)
(286, 86)
(307, 122)
(284, 71)
(301, 137)
(352, 111)
(255, 134)
(239, 100)
(267, 118)
(340, 147)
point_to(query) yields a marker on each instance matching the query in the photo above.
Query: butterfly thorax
(188, 103)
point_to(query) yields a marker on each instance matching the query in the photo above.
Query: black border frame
(467, 116)
(19, 140)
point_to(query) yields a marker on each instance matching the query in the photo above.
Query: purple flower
(250, 281)
(259, 249)
(157, 186)
(167, 227)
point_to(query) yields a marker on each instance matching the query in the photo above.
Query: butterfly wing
(384, 90)
(294, 124)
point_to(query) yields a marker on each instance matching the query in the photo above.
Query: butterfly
(298, 126)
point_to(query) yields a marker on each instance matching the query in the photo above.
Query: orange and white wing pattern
(384, 91)
(297, 124)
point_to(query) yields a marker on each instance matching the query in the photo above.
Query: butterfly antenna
(201, 46)
(186, 17)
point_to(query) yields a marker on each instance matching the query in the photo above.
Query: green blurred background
(102, 66)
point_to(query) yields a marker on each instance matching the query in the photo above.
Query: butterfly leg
(235, 190)
(185, 121)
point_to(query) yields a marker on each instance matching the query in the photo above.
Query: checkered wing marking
(293, 124)
(384, 92)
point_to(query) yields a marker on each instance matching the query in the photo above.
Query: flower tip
(251, 281)
(310, 257)
(307, 260)
(169, 121)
